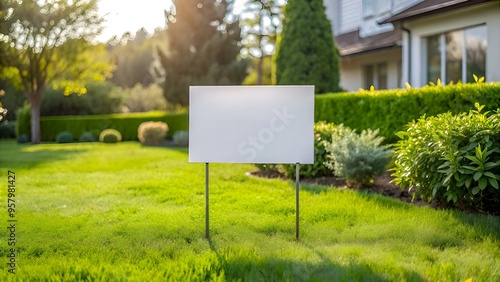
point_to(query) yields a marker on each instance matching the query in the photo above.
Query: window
(457, 55)
(367, 7)
(375, 75)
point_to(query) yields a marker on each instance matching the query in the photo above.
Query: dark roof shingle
(351, 43)
(432, 7)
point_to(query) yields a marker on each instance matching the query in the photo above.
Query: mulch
(382, 185)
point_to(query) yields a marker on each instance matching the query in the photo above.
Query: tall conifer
(306, 52)
(203, 49)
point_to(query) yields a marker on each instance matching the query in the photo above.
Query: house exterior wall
(347, 16)
(352, 68)
(488, 14)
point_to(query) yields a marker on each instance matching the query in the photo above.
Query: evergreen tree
(202, 49)
(307, 53)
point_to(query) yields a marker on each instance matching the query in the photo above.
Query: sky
(122, 16)
(129, 16)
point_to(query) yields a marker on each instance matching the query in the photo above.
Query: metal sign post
(297, 168)
(207, 225)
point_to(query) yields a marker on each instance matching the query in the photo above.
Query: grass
(124, 212)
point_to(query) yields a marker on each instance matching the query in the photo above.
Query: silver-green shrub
(358, 158)
(181, 138)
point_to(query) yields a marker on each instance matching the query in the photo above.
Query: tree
(261, 21)
(203, 49)
(134, 58)
(306, 52)
(48, 42)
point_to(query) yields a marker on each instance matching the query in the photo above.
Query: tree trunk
(35, 101)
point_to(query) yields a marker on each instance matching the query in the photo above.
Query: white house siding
(351, 15)
(488, 14)
(333, 14)
(351, 69)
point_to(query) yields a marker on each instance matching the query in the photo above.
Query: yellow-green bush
(110, 136)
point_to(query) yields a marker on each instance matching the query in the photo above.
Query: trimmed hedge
(126, 124)
(391, 110)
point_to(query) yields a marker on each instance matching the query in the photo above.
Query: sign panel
(251, 124)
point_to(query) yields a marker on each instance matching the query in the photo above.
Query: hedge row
(126, 124)
(391, 110)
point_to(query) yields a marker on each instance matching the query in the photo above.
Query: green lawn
(124, 212)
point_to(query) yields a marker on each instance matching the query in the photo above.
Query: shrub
(110, 136)
(23, 122)
(358, 158)
(23, 138)
(152, 132)
(126, 124)
(391, 110)
(322, 133)
(87, 136)
(181, 138)
(7, 130)
(64, 137)
(453, 159)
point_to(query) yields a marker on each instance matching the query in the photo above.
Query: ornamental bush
(87, 136)
(453, 159)
(322, 133)
(181, 138)
(110, 136)
(358, 158)
(152, 132)
(64, 137)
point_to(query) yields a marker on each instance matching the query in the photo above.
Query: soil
(382, 185)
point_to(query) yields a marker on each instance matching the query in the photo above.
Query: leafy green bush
(453, 159)
(181, 138)
(391, 110)
(7, 130)
(152, 132)
(64, 137)
(87, 136)
(126, 124)
(358, 158)
(110, 136)
(322, 133)
(23, 122)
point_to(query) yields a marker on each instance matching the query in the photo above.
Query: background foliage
(101, 98)
(126, 124)
(203, 49)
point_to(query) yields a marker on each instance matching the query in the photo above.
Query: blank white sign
(251, 124)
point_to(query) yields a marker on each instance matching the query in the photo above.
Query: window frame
(443, 54)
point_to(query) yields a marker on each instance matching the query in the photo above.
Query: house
(386, 43)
